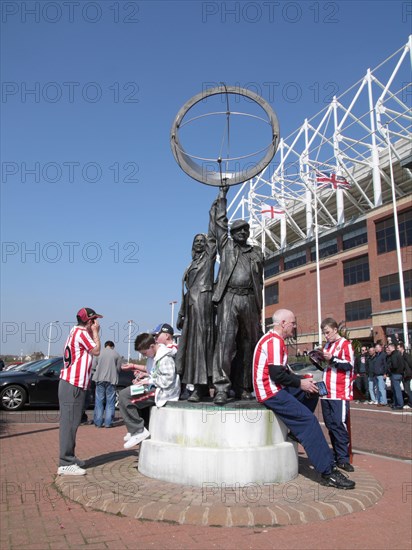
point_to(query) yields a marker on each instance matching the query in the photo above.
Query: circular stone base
(200, 443)
(115, 486)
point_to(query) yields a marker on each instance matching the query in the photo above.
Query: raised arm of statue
(221, 222)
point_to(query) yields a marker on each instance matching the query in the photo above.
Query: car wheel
(13, 398)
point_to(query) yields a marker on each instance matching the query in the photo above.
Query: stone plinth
(194, 444)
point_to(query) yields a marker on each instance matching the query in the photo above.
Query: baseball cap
(87, 313)
(165, 328)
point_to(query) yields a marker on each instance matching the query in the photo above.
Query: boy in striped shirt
(338, 377)
(81, 346)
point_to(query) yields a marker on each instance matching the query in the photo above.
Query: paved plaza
(114, 506)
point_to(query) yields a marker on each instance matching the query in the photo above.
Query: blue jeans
(381, 393)
(397, 396)
(105, 395)
(372, 388)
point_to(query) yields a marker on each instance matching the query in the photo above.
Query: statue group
(220, 321)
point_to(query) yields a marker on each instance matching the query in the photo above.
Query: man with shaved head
(293, 399)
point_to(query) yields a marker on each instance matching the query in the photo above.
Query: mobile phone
(322, 388)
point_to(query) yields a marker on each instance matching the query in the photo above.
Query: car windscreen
(40, 365)
(24, 366)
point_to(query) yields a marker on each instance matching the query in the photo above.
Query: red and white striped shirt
(270, 350)
(338, 381)
(77, 359)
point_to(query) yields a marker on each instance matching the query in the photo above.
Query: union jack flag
(332, 181)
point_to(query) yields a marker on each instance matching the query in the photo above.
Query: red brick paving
(35, 516)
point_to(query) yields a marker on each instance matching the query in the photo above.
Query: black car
(38, 384)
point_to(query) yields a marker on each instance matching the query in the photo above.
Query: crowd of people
(222, 348)
(379, 365)
(292, 398)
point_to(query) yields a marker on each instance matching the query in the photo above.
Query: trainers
(346, 466)
(136, 438)
(127, 436)
(72, 470)
(338, 480)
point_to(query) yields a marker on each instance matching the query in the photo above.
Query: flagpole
(263, 288)
(317, 268)
(398, 247)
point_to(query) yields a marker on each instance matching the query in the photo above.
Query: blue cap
(165, 328)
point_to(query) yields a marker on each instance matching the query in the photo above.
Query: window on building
(356, 271)
(326, 248)
(272, 294)
(271, 267)
(390, 289)
(294, 260)
(385, 232)
(268, 321)
(361, 309)
(355, 237)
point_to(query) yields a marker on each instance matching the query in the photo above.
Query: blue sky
(94, 209)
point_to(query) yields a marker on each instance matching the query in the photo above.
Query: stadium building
(334, 214)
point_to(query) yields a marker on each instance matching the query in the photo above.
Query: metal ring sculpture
(217, 178)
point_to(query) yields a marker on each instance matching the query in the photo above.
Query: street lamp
(173, 311)
(48, 347)
(129, 337)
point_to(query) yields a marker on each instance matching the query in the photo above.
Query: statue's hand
(223, 189)
(179, 322)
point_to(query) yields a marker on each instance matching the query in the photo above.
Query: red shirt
(270, 350)
(77, 359)
(338, 381)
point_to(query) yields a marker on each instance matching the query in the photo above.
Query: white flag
(272, 212)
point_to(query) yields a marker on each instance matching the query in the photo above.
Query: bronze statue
(196, 318)
(238, 295)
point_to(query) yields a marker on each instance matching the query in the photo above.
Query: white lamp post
(128, 340)
(173, 311)
(48, 347)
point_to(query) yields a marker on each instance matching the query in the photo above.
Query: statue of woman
(196, 317)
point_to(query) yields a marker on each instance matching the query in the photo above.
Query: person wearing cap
(82, 344)
(238, 295)
(195, 319)
(162, 384)
(163, 334)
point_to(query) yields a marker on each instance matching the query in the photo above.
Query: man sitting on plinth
(293, 399)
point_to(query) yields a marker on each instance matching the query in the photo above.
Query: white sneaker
(407, 407)
(127, 436)
(136, 439)
(72, 470)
